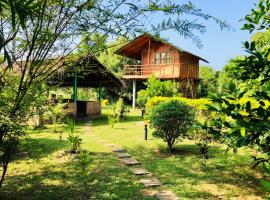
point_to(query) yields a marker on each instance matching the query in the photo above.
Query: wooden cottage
(153, 56)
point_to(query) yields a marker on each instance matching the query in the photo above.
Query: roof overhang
(133, 49)
(90, 73)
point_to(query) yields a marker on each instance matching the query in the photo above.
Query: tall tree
(242, 114)
(208, 83)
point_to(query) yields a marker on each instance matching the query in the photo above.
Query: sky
(218, 46)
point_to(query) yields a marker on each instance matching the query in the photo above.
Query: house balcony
(144, 71)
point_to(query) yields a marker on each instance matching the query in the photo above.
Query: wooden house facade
(155, 57)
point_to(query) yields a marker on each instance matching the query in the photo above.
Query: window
(163, 58)
(157, 60)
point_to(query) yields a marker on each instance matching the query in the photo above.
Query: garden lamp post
(145, 129)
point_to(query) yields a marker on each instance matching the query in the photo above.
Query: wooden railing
(160, 71)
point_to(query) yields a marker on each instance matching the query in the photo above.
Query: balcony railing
(144, 71)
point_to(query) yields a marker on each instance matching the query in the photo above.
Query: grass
(38, 172)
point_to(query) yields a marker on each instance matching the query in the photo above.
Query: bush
(198, 104)
(171, 120)
(156, 87)
(118, 111)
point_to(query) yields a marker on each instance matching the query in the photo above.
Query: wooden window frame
(162, 58)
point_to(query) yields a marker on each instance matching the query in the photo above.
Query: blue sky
(218, 46)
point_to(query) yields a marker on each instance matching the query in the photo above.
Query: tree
(46, 38)
(171, 121)
(208, 83)
(229, 74)
(242, 113)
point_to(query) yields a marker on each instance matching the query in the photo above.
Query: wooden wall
(183, 64)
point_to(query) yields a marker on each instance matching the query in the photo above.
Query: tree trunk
(170, 146)
(5, 166)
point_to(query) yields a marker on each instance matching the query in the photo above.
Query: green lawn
(39, 172)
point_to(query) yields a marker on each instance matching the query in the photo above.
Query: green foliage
(56, 113)
(155, 87)
(114, 62)
(246, 123)
(171, 121)
(197, 104)
(75, 142)
(208, 83)
(118, 111)
(10, 133)
(71, 124)
(258, 19)
(229, 74)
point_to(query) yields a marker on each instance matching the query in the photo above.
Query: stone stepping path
(116, 149)
(150, 182)
(139, 171)
(123, 155)
(166, 195)
(130, 161)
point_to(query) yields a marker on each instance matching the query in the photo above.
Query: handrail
(160, 70)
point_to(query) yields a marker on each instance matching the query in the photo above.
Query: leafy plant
(71, 123)
(242, 124)
(171, 121)
(112, 121)
(155, 87)
(75, 141)
(118, 111)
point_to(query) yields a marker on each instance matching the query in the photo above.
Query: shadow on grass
(53, 179)
(103, 120)
(36, 148)
(185, 169)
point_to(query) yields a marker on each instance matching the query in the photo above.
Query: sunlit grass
(38, 172)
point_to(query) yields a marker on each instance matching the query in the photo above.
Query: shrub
(75, 141)
(171, 120)
(104, 103)
(70, 124)
(118, 111)
(154, 88)
(198, 104)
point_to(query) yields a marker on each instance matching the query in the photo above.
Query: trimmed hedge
(198, 104)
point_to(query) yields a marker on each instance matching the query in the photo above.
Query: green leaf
(243, 131)
(266, 185)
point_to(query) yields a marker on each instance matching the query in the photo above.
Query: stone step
(166, 195)
(116, 149)
(139, 171)
(123, 155)
(150, 182)
(130, 161)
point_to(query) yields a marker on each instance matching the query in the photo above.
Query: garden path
(145, 177)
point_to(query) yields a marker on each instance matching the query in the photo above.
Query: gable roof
(131, 49)
(90, 73)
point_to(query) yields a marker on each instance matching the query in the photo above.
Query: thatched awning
(89, 71)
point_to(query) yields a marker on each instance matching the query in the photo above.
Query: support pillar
(134, 94)
(99, 91)
(75, 95)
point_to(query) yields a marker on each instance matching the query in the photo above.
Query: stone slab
(166, 195)
(130, 161)
(150, 182)
(116, 149)
(139, 171)
(123, 155)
